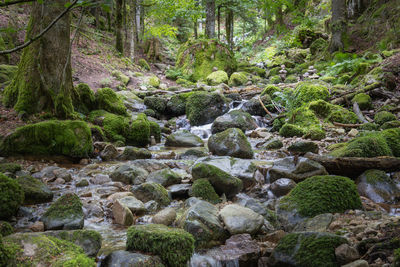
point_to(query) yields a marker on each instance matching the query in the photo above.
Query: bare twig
(266, 110)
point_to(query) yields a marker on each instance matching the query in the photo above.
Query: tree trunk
(229, 27)
(196, 25)
(119, 43)
(338, 26)
(210, 19)
(44, 78)
(219, 22)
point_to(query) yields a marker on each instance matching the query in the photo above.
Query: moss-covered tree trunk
(229, 27)
(119, 43)
(210, 18)
(44, 78)
(338, 25)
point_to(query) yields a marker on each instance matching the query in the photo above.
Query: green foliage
(9, 167)
(290, 130)
(384, 116)
(306, 92)
(5, 229)
(11, 197)
(108, 100)
(322, 194)
(202, 188)
(174, 246)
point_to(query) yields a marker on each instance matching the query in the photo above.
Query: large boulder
(67, 138)
(64, 214)
(176, 106)
(311, 249)
(203, 108)
(11, 197)
(129, 174)
(223, 182)
(151, 191)
(231, 142)
(306, 92)
(234, 119)
(238, 79)
(132, 153)
(122, 258)
(241, 220)
(201, 220)
(35, 191)
(183, 139)
(217, 77)
(174, 246)
(108, 100)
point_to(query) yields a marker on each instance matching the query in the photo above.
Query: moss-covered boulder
(270, 90)
(176, 106)
(43, 251)
(143, 64)
(203, 189)
(384, 116)
(132, 153)
(363, 100)
(231, 142)
(307, 249)
(67, 138)
(84, 99)
(238, 79)
(390, 125)
(11, 197)
(183, 139)
(234, 119)
(223, 182)
(203, 108)
(303, 147)
(197, 58)
(158, 104)
(217, 77)
(9, 167)
(315, 133)
(164, 177)
(66, 213)
(332, 113)
(291, 130)
(154, 81)
(109, 101)
(174, 246)
(321, 194)
(306, 92)
(120, 77)
(35, 191)
(151, 191)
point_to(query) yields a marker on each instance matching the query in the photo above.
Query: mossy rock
(390, 125)
(109, 101)
(203, 189)
(384, 116)
(183, 139)
(35, 191)
(306, 92)
(223, 182)
(158, 104)
(203, 108)
(238, 79)
(270, 90)
(370, 126)
(234, 119)
(84, 99)
(217, 77)
(11, 197)
(154, 81)
(151, 191)
(120, 77)
(115, 127)
(275, 79)
(132, 153)
(164, 177)
(332, 113)
(231, 142)
(315, 134)
(197, 58)
(155, 131)
(363, 100)
(5, 229)
(273, 144)
(143, 64)
(291, 130)
(10, 167)
(303, 147)
(253, 70)
(322, 194)
(67, 138)
(307, 249)
(139, 131)
(47, 251)
(291, 79)
(176, 106)
(174, 246)
(66, 213)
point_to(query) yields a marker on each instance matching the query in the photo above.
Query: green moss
(158, 104)
(322, 194)
(291, 130)
(342, 115)
(217, 77)
(363, 100)
(308, 249)
(306, 92)
(390, 125)
(291, 79)
(6, 254)
(84, 99)
(68, 138)
(9, 167)
(370, 126)
(120, 77)
(203, 108)
(11, 197)
(318, 46)
(321, 108)
(254, 70)
(115, 127)
(176, 106)
(315, 134)
(197, 58)
(173, 74)
(202, 188)
(152, 191)
(109, 101)
(67, 205)
(7, 73)
(154, 81)
(396, 255)
(35, 191)
(139, 131)
(270, 90)
(237, 79)
(384, 116)
(302, 117)
(273, 144)
(143, 64)
(5, 229)
(276, 79)
(174, 246)
(155, 130)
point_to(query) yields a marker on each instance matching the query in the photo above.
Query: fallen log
(353, 167)
(346, 125)
(347, 96)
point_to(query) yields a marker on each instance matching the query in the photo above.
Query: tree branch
(9, 3)
(22, 46)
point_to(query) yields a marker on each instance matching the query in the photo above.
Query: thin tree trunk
(338, 26)
(119, 43)
(44, 78)
(229, 27)
(219, 22)
(196, 25)
(210, 19)
(142, 22)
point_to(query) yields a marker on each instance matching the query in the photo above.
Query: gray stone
(357, 263)
(122, 214)
(129, 174)
(123, 258)
(282, 186)
(133, 153)
(109, 152)
(134, 205)
(303, 147)
(346, 254)
(234, 119)
(183, 139)
(164, 177)
(319, 223)
(101, 179)
(240, 220)
(231, 142)
(35, 191)
(179, 190)
(166, 216)
(151, 191)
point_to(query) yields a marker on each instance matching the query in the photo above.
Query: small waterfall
(203, 131)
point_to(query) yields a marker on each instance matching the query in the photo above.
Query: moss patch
(306, 92)
(109, 101)
(202, 188)
(203, 108)
(9, 167)
(35, 191)
(217, 77)
(11, 197)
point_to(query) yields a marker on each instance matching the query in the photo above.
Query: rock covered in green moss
(223, 182)
(384, 116)
(158, 104)
(84, 99)
(303, 147)
(291, 130)
(120, 77)
(132, 153)
(390, 125)
(203, 189)
(315, 133)
(231, 142)
(270, 90)
(238, 79)
(143, 64)
(234, 119)
(174, 246)
(197, 58)
(332, 113)
(11, 197)
(35, 191)
(66, 213)
(363, 100)
(151, 191)
(306, 249)
(183, 139)
(9, 167)
(164, 177)
(154, 81)
(109, 101)
(273, 144)
(45, 251)
(67, 138)
(5, 229)
(176, 106)
(217, 77)
(306, 92)
(321, 194)
(203, 108)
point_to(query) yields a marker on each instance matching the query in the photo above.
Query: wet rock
(101, 179)
(203, 108)
(357, 263)
(179, 190)
(129, 174)
(378, 186)
(258, 207)
(254, 107)
(346, 254)
(303, 147)
(109, 152)
(82, 183)
(273, 144)
(122, 214)
(132, 153)
(319, 223)
(59, 181)
(183, 139)
(296, 170)
(201, 220)
(119, 195)
(37, 227)
(231, 142)
(165, 177)
(63, 174)
(134, 205)
(282, 186)
(234, 119)
(166, 216)
(35, 191)
(240, 220)
(192, 154)
(151, 191)
(93, 210)
(130, 259)
(151, 206)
